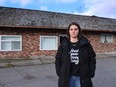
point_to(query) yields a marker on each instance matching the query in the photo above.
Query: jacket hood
(82, 41)
(64, 41)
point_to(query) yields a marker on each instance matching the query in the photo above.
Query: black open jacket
(87, 63)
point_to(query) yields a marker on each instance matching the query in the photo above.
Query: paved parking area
(105, 73)
(45, 76)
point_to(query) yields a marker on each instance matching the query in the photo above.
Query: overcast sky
(101, 8)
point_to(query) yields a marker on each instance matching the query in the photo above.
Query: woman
(75, 59)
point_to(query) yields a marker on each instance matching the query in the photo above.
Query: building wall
(31, 42)
(99, 47)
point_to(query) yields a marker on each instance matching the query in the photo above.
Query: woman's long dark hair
(80, 31)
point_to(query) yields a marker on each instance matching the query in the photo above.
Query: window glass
(5, 45)
(106, 38)
(48, 43)
(10, 43)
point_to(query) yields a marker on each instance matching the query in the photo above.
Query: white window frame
(20, 36)
(56, 45)
(105, 35)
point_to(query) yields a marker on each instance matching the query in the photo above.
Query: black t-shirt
(74, 57)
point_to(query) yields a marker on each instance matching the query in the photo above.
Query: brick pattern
(31, 42)
(99, 47)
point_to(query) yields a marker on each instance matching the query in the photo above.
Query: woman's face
(73, 31)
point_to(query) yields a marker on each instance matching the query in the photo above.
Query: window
(10, 43)
(106, 38)
(48, 42)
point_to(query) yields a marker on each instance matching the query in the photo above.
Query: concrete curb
(24, 62)
(38, 60)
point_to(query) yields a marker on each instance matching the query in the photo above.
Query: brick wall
(31, 42)
(99, 47)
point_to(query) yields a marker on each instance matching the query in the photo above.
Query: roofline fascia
(50, 27)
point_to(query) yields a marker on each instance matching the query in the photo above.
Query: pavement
(45, 75)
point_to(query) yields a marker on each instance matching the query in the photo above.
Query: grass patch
(9, 65)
